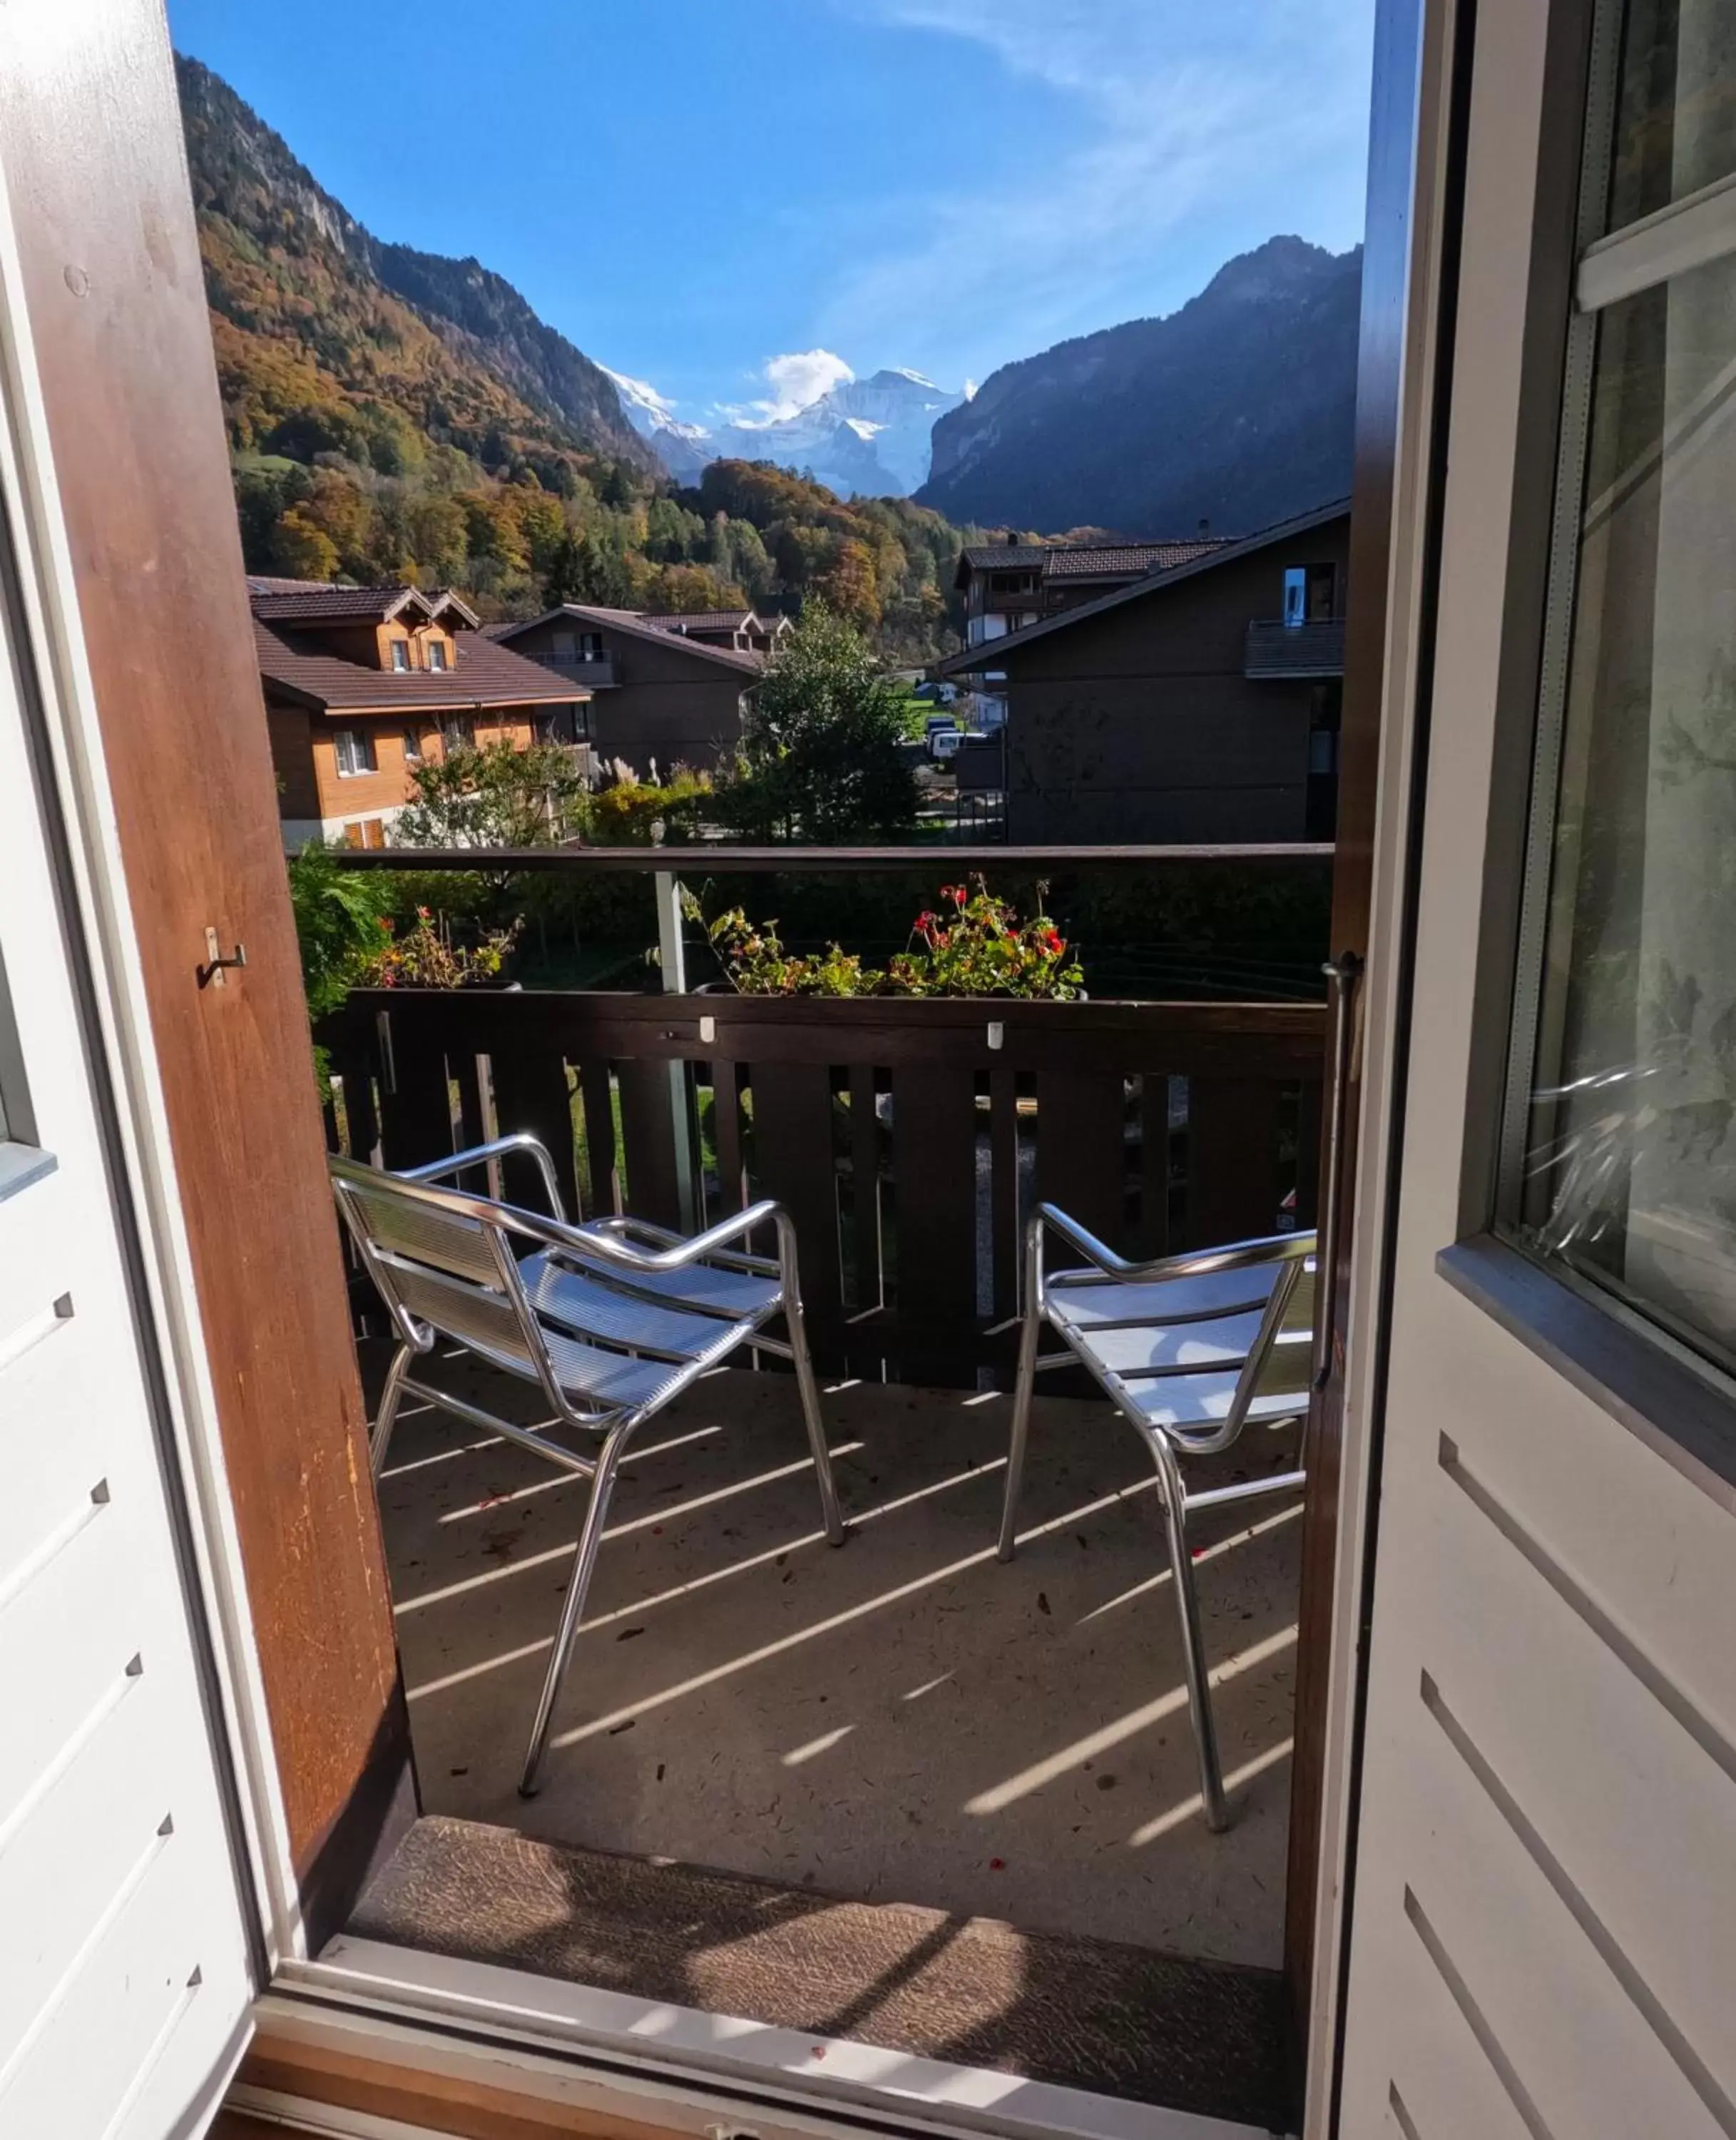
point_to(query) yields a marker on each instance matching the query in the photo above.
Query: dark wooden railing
(907, 1137)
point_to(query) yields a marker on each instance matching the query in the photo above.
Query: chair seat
(708, 1288)
(600, 1380)
(1219, 1341)
(586, 1304)
(1197, 1402)
(1086, 1298)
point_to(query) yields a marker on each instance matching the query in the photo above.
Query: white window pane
(1632, 1169)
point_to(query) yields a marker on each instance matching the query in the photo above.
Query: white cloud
(795, 380)
(1249, 116)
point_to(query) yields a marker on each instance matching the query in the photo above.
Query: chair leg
(1193, 1640)
(573, 1606)
(1028, 1337)
(390, 1396)
(809, 1391)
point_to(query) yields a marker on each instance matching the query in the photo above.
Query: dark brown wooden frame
(114, 295)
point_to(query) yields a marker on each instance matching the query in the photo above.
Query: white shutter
(124, 1968)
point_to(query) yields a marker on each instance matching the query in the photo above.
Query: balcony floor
(903, 1719)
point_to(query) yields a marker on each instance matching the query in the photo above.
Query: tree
(851, 588)
(495, 797)
(819, 742)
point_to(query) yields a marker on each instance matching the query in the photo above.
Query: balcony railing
(907, 1136)
(597, 675)
(1275, 649)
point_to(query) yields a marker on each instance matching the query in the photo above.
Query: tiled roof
(320, 601)
(704, 620)
(328, 604)
(632, 626)
(1006, 556)
(296, 665)
(1093, 560)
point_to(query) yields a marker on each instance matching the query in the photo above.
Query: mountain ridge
(263, 210)
(1237, 408)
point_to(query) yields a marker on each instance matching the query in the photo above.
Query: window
(590, 647)
(412, 746)
(562, 725)
(457, 732)
(354, 748)
(400, 654)
(1309, 593)
(1620, 1132)
(436, 654)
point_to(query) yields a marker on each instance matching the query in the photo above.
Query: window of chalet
(436, 654)
(355, 749)
(400, 654)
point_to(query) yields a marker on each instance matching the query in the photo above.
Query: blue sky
(694, 190)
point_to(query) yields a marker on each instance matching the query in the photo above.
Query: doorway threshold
(986, 2025)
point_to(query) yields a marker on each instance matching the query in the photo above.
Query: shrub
(980, 948)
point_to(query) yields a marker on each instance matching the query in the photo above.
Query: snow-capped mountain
(683, 448)
(862, 438)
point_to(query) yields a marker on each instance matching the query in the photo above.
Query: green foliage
(425, 956)
(629, 812)
(495, 797)
(978, 948)
(820, 756)
(340, 917)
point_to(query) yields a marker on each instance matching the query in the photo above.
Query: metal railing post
(672, 958)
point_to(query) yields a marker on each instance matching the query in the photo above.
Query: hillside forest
(393, 415)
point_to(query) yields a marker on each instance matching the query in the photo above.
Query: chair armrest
(1195, 1263)
(521, 1140)
(660, 1237)
(607, 1239)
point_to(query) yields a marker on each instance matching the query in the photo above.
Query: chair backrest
(441, 1261)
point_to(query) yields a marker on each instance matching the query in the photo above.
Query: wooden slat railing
(906, 1143)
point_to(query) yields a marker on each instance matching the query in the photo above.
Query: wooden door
(148, 628)
(125, 1970)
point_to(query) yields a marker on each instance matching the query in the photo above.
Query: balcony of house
(1277, 650)
(595, 673)
(902, 1793)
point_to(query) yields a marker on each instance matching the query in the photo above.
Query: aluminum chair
(612, 1319)
(1189, 1349)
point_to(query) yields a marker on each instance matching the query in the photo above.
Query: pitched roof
(990, 653)
(1004, 556)
(295, 665)
(633, 626)
(704, 620)
(1072, 561)
(323, 602)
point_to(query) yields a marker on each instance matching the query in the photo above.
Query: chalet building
(1199, 702)
(661, 696)
(744, 630)
(362, 685)
(1009, 584)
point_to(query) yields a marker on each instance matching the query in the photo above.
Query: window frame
(400, 646)
(364, 744)
(437, 666)
(1609, 266)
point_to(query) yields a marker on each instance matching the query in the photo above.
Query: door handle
(1342, 974)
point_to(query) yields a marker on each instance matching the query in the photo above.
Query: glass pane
(1631, 1168)
(1675, 121)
